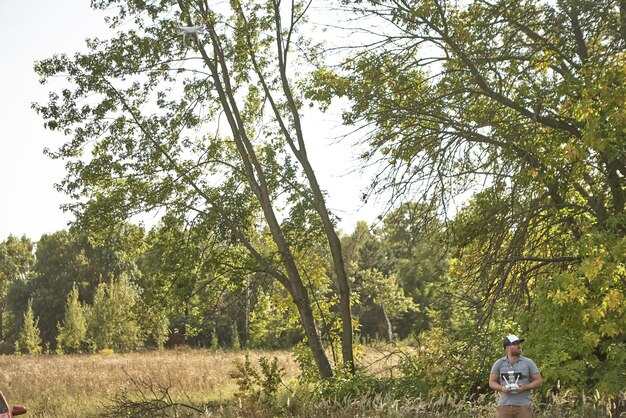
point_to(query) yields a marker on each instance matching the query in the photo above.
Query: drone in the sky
(194, 31)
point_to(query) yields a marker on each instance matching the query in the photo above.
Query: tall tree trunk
(298, 147)
(219, 69)
(389, 329)
(301, 299)
(258, 184)
(347, 332)
(246, 324)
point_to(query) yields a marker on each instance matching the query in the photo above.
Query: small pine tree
(73, 333)
(99, 316)
(123, 300)
(112, 321)
(29, 338)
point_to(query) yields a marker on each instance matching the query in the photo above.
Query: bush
(259, 387)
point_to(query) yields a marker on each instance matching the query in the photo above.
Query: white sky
(32, 30)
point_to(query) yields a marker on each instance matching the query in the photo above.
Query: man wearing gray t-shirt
(514, 376)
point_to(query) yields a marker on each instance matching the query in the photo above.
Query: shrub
(258, 387)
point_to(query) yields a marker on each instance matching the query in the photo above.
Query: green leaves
(147, 111)
(112, 318)
(29, 339)
(518, 104)
(72, 336)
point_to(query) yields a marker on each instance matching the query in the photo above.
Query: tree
(72, 335)
(16, 263)
(29, 340)
(398, 271)
(374, 283)
(415, 239)
(521, 98)
(65, 259)
(193, 277)
(154, 324)
(111, 323)
(152, 103)
(353, 243)
(61, 263)
(384, 294)
(272, 322)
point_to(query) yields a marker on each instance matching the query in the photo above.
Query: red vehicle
(6, 411)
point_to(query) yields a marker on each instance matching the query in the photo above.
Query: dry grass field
(84, 385)
(88, 386)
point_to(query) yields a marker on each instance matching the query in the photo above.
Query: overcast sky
(32, 30)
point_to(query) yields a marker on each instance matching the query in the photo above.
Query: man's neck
(512, 359)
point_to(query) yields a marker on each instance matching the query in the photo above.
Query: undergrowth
(200, 383)
(264, 393)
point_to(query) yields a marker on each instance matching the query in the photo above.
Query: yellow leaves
(587, 113)
(576, 293)
(592, 266)
(571, 290)
(592, 315)
(455, 268)
(610, 329)
(613, 300)
(573, 153)
(619, 273)
(543, 65)
(601, 107)
(591, 339)
(533, 172)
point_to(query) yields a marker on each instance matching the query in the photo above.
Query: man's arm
(494, 383)
(535, 382)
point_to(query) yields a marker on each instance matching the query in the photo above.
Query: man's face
(515, 349)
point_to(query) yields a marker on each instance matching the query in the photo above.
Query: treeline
(124, 289)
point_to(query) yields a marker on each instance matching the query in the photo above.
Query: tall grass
(199, 383)
(85, 385)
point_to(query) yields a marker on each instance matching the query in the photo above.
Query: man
(514, 376)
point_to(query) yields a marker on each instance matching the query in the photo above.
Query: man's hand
(535, 382)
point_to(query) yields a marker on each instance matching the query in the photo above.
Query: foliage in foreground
(263, 393)
(195, 383)
(515, 102)
(305, 403)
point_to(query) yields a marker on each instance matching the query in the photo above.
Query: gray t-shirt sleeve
(495, 369)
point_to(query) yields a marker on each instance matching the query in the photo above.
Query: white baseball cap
(511, 340)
